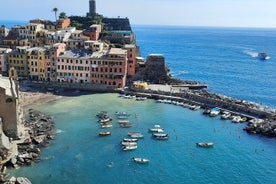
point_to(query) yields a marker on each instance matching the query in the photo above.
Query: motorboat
(104, 120)
(205, 144)
(226, 115)
(214, 111)
(159, 130)
(160, 136)
(263, 56)
(106, 125)
(128, 148)
(137, 136)
(130, 140)
(236, 119)
(125, 125)
(104, 133)
(140, 160)
(206, 111)
(129, 143)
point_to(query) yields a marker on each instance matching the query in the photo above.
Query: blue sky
(227, 13)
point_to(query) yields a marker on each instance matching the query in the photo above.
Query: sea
(224, 59)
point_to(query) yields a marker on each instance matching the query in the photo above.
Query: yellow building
(37, 57)
(18, 60)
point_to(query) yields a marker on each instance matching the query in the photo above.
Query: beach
(30, 98)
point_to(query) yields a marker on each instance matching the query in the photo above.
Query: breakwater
(267, 116)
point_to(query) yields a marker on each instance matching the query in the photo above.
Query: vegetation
(55, 10)
(85, 22)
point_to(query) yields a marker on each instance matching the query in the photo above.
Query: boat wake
(251, 53)
(179, 73)
(58, 131)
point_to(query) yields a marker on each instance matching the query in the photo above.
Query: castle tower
(92, 8)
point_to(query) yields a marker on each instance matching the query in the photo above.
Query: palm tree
(55, 10)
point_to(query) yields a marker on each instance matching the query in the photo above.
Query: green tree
(55, 10)
(62, 15)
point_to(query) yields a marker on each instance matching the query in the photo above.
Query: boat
(128, 148)
(226, 115)
(205, 144)
(101, 114)
(130, 140)
(263, 56)
(104, 120)
(140, 160)
(214, 111)
(206, 111)
(125, 125)
(194, 107)
(159, 130)
(160, 136)
(122, 115)
(137, 136)
(106, 125)
(104, 133)
(141, 98)
(132, 133)
(129, 143)
(236, 119)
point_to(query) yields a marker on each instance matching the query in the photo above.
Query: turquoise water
(79, 155)
(221, 57)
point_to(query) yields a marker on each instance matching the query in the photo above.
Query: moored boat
(106, 125)
(141, 160)
(214, 112)
(159, 130)
(130, 140)
(160, 136)
(125, 125)
(226, 115)
(104, 133)
(236, 119)
(205, 144)
(128, 148)
(128, 143)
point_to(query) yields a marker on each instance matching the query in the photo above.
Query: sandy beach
(30, 98)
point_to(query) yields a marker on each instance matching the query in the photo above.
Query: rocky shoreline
(41, 131)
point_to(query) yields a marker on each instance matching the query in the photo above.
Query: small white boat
(128, 148)
(214, 112)
(159, 130)
(226, 115)
(141, 160)
(236, 119)
(105, 120)
(130, 140)
(160, 136)
(106, 125)
(129, 143)
(137, 136)
(125, 125)
(205, 144)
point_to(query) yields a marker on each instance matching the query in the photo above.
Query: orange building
(131, 56)
(63, 23)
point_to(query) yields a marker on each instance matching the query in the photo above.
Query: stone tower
(9, 106)
(92, 8)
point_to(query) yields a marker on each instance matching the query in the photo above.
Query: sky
(219, 13)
